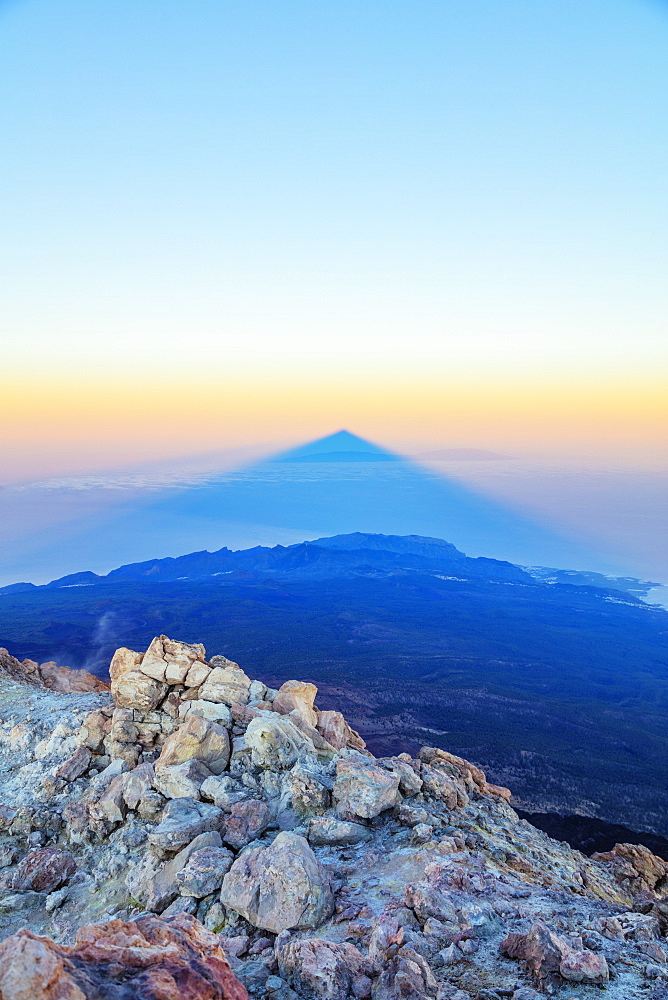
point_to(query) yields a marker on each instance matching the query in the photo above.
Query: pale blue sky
(463, 183)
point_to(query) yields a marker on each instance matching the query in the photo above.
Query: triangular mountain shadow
(335, 485)
(340, 447)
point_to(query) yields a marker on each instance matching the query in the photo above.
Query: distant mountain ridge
(354, 554)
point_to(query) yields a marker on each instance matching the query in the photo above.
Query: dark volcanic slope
(561, 692)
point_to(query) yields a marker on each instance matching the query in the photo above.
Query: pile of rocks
(204, 810)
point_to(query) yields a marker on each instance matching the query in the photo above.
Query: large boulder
(181, 781)
(156, 885)
(297, 696)
(364, 789)
(130, 688)
(279, 887)
(77, 764)
(151, 958)
(245, 822)
(308, 791)
(323, 970)
(197, 739)
(169, 661)
(550, 958)
(334, 728)
(136, 783)
(277, 744)
(227, 683)
(328, 830)
(111, 806)
(204, 872)
(42, 871)
(182, 821)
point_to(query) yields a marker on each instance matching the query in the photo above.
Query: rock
(204, 872)
(156, 886)
(111, 771)
(150, 806)
(7, 817)
(94, 729)
(221, 790)
(499, 792)
(444, 787)
(328, 830)
(77, 764)
(8, 855)
(297, 696)
(183, 820)
(130, 688)
(407, 975)
(472, 777)
(56, 899)
(257, 691)
(246, 821)
(111, 806)
(169, 661)
(182, 904)
(276, 744)
(197, 674)
(226, 683)
(310, 796)
(410, 782)
(325, 749)
(136, 783)
(197, 739)
(211, 710)
(321, 969)
(279, 887)
(180, 781)
(364, 789)
(431, 897)
(43, 871)
(584, 967)
(334, 728)
(387, 936)
(236, 945)
(549, 957)
(635, 866)
(151, 958)
(49, 675)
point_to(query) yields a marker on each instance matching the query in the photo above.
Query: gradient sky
(229, 223)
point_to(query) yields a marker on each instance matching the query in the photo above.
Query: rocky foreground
(192, 833)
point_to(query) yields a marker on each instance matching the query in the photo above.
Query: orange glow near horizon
(60, 425)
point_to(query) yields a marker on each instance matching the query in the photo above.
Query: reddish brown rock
(550, 958)
(95, 727)
(49, 675)
(43, 871)
(472, 776)
(498, 791)
(321, 968)
(150, 958)
(78, 763)
(636, 868)
(246, 821)
(67, 680)
(334, 728)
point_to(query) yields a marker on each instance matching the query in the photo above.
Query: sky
(229, 227)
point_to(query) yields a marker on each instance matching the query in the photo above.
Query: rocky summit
(191, 833)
